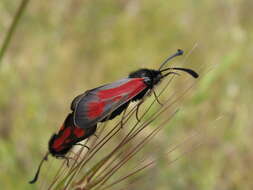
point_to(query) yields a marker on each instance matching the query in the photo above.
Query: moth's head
(152, 77)
(171, 70)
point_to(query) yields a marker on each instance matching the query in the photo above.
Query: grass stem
(13, 27)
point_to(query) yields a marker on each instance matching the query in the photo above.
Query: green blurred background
(64, 47)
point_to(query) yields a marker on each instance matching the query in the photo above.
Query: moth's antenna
(179, 52)
(189, 71)
(38, 170)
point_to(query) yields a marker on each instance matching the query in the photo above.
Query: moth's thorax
(152, 77)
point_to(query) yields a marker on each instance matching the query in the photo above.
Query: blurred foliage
(64, 47)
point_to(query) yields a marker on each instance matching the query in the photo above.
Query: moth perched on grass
(105, 103)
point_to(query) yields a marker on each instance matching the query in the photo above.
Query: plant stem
(12, 28)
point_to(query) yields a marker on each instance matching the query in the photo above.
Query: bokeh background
(64, 47)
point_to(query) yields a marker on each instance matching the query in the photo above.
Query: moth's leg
(122, 118)
(136, 113)
(137, 110)
(156, 97)
(67, 159)
(95, 135)
(83, 145)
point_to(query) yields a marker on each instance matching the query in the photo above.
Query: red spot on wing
(140, 87)
(60, 140)
(115, 99)
(95, 109)
(79, 132)
(137, 84)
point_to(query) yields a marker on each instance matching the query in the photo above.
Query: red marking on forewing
(79, 132)
(140, 87)
(60, 140)
(136, 83)
(117, 98)
(95, 109)
(127, 90)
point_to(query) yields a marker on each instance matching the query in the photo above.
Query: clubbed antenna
(189, 71)
(38, 170)
(179, 52)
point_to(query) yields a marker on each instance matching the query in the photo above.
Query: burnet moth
(105, 103)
